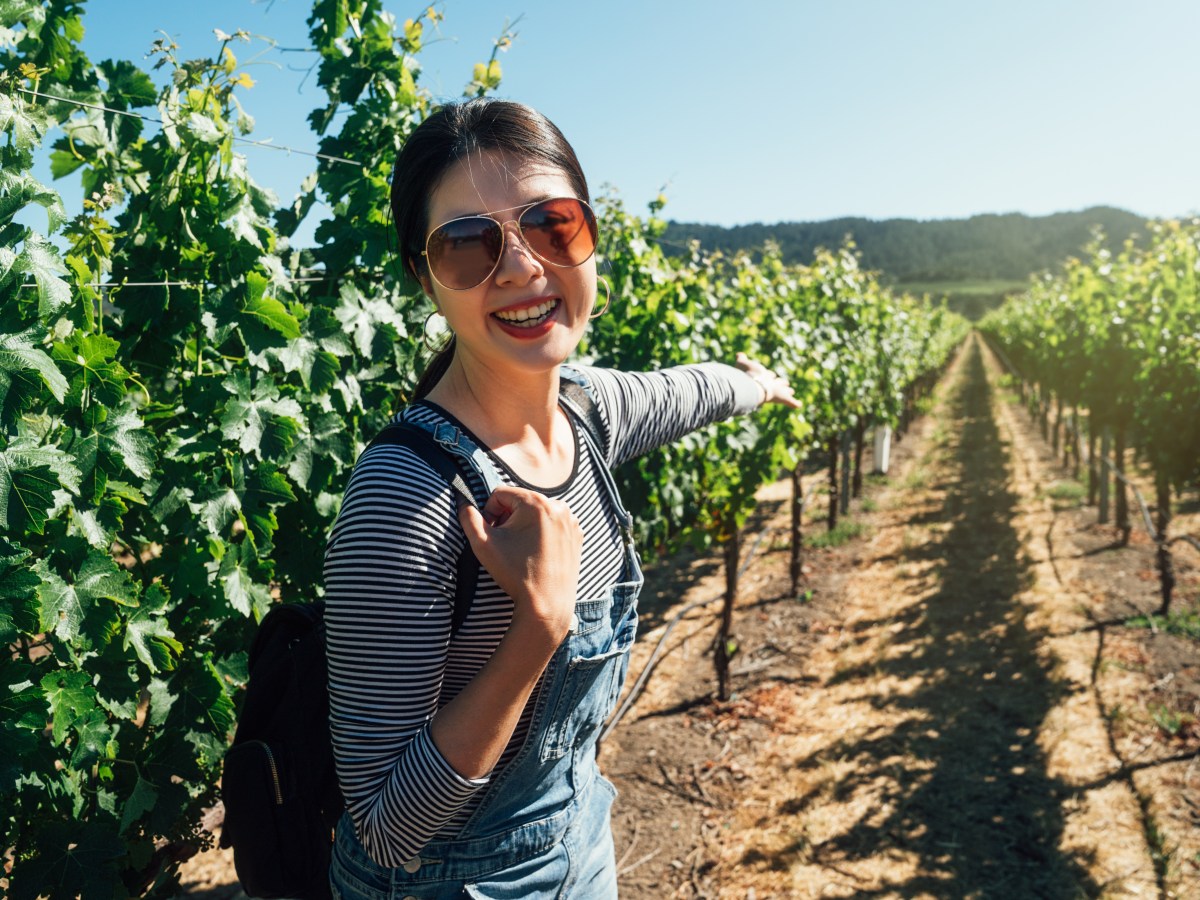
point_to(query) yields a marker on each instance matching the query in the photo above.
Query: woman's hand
(533, 546)
(775, 387)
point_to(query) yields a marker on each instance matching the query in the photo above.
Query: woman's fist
(533, 546)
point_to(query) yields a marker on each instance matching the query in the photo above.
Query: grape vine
(1113, 344)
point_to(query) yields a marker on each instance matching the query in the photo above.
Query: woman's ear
(424, 281)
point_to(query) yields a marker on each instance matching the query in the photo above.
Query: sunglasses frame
(503, 238)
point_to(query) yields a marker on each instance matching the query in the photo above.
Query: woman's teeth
(530, 316)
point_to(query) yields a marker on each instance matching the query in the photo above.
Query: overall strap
(576, 392)
(578, 396)
(422, 443)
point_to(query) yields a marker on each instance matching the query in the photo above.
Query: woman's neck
(506, 409)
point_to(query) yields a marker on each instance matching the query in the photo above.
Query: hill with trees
(974, 262)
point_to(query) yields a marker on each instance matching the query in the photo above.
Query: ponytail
(435, 370)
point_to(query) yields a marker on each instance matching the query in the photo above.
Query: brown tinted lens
(464, 252)
(561, 231)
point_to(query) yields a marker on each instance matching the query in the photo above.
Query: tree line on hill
(984, 248)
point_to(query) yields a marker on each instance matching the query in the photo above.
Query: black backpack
(279, 784)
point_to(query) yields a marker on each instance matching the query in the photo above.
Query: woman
(467, 759)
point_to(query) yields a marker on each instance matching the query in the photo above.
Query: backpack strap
(422, 443)
(579, 397)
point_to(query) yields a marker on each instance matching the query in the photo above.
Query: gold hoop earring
(429, 345)
(607, 299)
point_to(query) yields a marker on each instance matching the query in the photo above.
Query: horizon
(967, 218)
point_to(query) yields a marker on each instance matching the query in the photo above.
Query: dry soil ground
(955, 706)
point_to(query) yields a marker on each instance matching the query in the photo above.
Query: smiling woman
(467, 754)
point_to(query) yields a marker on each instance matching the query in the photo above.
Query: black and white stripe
(389, 580)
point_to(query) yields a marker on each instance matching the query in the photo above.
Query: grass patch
(1066, 494)
(1169, 721)
(1185, 623)
(846, 530)
(868, 505)
(877, 478)
(1067, 490)
(967, 287)
(915, 480)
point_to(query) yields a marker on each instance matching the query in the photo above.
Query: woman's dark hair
(452, 133)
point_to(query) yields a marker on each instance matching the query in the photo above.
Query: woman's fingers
(775, 387)
(502, 503)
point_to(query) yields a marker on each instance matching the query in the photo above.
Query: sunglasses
(463, 253)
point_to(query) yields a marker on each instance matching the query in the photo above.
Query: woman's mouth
(530, 316)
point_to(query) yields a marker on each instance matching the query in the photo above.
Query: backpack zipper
(274, 772)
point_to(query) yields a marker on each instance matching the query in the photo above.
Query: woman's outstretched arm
(644, 410)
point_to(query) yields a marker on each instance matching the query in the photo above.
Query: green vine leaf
(149, 633)
(140, 802)
(71, 697)
(267, 311)
(259, 420)
(19, 189)
(127, 444)
(21, 358)
(73, 860)
(99, 377)
(243, 593)
(26, 126)
(29, 477)
(39, 260)
(98, 583)
(18, 594)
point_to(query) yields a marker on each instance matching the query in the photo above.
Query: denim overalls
(542, 829)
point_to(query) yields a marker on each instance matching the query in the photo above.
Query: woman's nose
(518, 263)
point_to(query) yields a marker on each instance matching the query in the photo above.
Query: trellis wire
(159, 122)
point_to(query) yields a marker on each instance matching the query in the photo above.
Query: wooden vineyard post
(833, 482)
(1166, 567)
(1073, 444)
(844, 496)
(1122, 502)
(797, 526)
(1058, 420)
(1105, 446)
(1093, 463)
(726, 647)
(860, 441)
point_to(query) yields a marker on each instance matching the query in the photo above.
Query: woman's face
(500, 184)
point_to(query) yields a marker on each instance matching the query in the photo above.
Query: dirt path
(933, 727)
(934, 761)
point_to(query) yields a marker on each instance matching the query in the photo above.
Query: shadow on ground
(961, 785)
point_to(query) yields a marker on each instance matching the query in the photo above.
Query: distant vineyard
(1113, 348)
(183, 395)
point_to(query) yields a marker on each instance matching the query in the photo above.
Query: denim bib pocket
(598, 654)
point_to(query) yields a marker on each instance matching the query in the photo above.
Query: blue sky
(786, 109)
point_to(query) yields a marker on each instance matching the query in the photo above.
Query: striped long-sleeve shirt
(389, 580)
